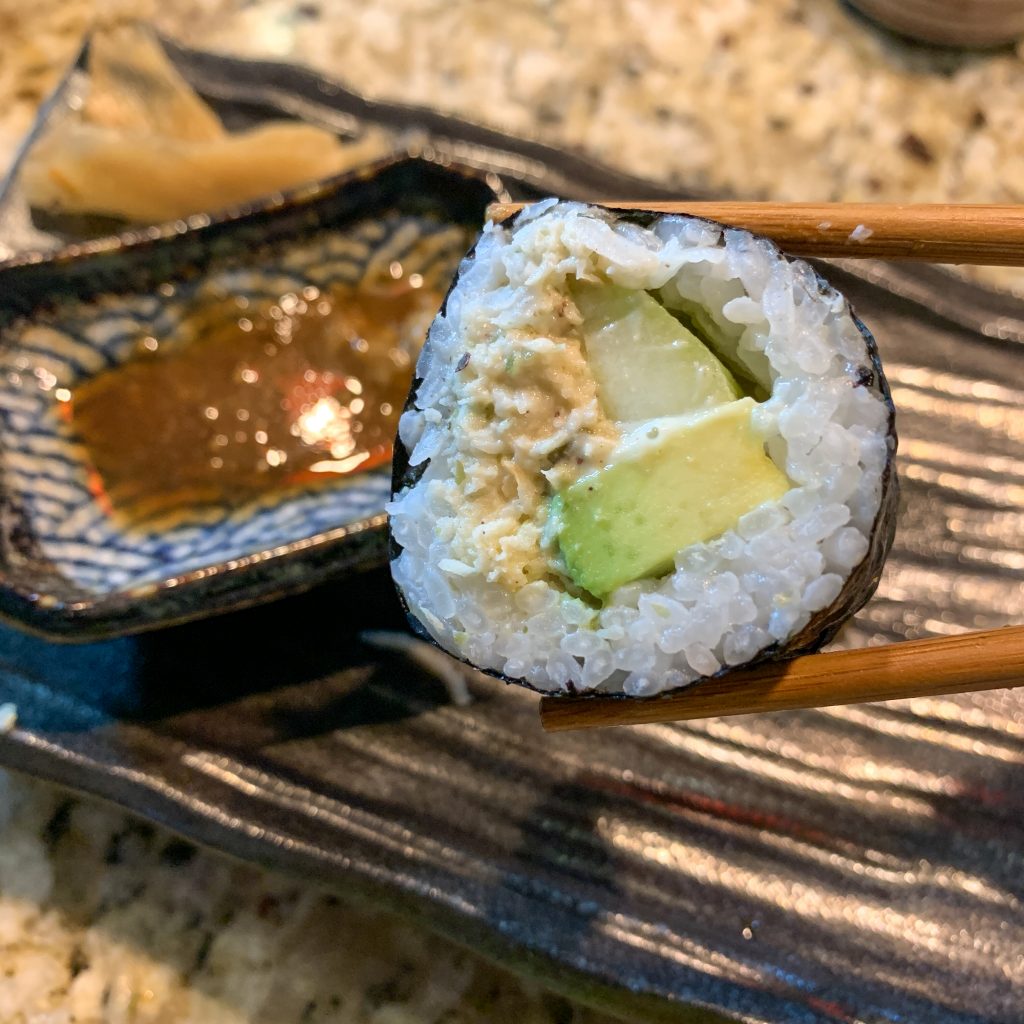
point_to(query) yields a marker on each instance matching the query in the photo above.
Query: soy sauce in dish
(258, 398)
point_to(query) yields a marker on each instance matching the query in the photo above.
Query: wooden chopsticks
(991, 235)
(917, 668)
(936, 233)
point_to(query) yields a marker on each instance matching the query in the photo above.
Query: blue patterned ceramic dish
(68, 565)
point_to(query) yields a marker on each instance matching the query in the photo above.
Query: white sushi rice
(477, 568)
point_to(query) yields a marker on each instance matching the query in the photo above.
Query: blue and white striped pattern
(45, 468)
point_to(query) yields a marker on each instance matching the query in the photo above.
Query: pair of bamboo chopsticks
(990, 235)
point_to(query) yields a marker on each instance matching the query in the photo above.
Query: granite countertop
(104, 918)
(788, 99)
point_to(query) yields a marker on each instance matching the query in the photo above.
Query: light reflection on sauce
(290, 394)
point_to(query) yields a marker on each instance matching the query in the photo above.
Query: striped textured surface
(46, 470)
(860, 864)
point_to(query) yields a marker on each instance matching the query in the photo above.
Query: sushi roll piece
(641, 450)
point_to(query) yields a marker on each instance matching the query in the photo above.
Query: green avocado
(673, 482)
(645, 362)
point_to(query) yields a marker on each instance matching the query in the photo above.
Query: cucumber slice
(645, 362)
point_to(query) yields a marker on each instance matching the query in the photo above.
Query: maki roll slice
(641, 450)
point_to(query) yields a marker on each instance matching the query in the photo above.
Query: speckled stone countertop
(788, 99)
(105, 919)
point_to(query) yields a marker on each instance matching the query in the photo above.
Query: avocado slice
(645, 362)
(672, 482)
